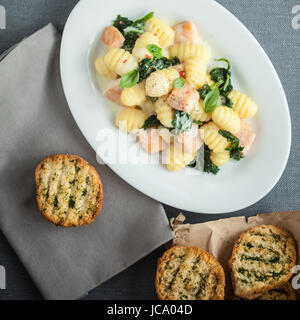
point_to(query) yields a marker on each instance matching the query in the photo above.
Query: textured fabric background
(271, 23)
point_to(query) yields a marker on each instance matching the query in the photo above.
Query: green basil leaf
(211, 100)
(130, 79)
(179, 83)
(155, 50)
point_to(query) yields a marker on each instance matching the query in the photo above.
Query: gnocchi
(172, 99)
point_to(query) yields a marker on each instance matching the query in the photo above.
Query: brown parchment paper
(217, 237)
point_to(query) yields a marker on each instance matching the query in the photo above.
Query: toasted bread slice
(189, 273)
(284, 293)
(262, 260)
(68, 190)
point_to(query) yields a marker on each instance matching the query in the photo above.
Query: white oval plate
(239, 184)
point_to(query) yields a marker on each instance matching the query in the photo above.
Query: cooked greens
(222, 78)
(146, 67)
(202, 161)
(152, 121)
(149, 65)
(222, 75)
(234, 149)
(131, 29)
(182, 122)
(204, 90)
(130, 39)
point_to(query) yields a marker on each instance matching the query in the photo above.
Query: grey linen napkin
(34, 122)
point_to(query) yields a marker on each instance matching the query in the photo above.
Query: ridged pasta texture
(130, 119)
(160, 82)
(195, 69)
(184, 51)
(199, 114)
(176, 159)
(165, 113)
(103, 69)
(134, 96)
(120, 61)
(220, 158)
(213, 139)
(161, 29)
(140, 50)
(227, 119)
(243, 105)
(148, 107)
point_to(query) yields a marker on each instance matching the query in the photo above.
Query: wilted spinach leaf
(182, 122)
(122, 23)
(130, 39)
(152, 121)
(234, 149)
(204, 90)
(223, 77)
(209, 167)
(147, 66)
(203, 162)
(131, 29)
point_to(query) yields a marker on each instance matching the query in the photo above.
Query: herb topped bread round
(284, 293)
(68, 190)
(262, 260)
(189, 273)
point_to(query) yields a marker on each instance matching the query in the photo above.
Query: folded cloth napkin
(34, 122)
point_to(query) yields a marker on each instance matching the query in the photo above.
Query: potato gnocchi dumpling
(165, 113)
(227, 119)
(103, 69)
(169, 87)
(120, 61)
(196, 70)
(198, 113)
(160, 82)
(161, 29)
(140, 50)
(213, 139)
(188, 50)
(134, 96)
(130, 119)
(243, 105)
